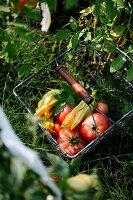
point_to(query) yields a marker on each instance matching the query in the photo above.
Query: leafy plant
(15, 30)
(107, 26)
(67, 96)
(16, 180)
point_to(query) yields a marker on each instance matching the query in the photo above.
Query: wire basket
(30, 91)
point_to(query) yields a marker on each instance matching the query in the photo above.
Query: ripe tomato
(71, 140)
(88, 129)
(62, 114)
(103, 107)
(56, 129)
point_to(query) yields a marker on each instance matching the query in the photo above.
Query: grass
(113, 158)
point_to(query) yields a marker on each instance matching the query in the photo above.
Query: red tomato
(88, 129)
(103, 107)
(62, 114)
(71, 140)
(56, 129)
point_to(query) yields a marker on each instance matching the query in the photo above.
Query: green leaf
(61, 97)
(83, 31)
(10, 48)
(70, 3)
(97, 7)
(87, 11)
(70, 101)
(110, 48)
(20, 23)
(24, 69)
(5, 8)
(9, 51)
(3, 35)
(58, 107)
(117, 63)
(99, 38)
(88, 24)
(73, 23)
(25, 34)
(65, 87)
(110, 9)
(1, 15)
(68, 95)
(130, 49)
(130, 74)
(121, 4)
(104, 20)
(32, 12)
(75, 39)
(61, 34)
(75, 163)
(69, 91)
(88, 37)
(118, 30)
(60, 168)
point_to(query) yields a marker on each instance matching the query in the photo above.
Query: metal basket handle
(63, 72)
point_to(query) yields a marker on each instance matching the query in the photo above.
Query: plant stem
(95, 23)
(125, 54)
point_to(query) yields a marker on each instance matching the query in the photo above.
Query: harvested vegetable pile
(70, 120)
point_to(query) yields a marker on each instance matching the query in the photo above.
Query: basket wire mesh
(30, 91)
